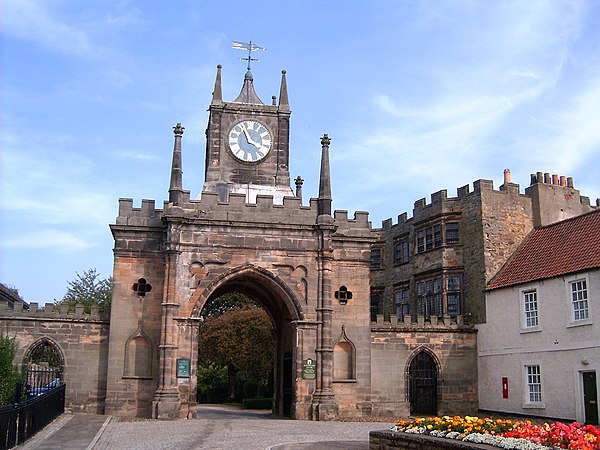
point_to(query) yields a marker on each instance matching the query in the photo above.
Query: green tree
(89, 289)
(10, 374)
(241, 340)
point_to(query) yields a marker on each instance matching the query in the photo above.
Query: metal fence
(45, 401)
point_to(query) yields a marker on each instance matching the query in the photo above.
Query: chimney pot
(570, 182)
(539, 177)
(563, 181)
(547, 178)
(555, 179)
(506, 176)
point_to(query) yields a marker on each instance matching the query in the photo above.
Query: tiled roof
(570, 246)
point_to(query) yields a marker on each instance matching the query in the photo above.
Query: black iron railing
(20, 421)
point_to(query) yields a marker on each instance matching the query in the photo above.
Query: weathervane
(247, 46)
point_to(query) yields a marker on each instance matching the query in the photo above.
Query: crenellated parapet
(433, 324)
(51, 311)
(236, 209)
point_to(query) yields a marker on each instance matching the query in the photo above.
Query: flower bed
(505, 433)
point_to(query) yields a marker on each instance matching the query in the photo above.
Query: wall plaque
(309, 369)
(183, 367)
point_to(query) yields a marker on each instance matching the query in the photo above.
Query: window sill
(580, 323)
(537, 329)
(534, 406)
(136, 377)
(344, 381)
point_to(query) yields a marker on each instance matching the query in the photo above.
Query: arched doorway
(281, 306)
(44, 366)
(422, 390)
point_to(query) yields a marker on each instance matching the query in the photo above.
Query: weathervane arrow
(247, 46)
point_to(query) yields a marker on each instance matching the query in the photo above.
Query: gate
(423, 385)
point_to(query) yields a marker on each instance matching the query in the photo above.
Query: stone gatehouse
(385, 314)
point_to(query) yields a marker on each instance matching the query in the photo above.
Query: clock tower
(247, 144)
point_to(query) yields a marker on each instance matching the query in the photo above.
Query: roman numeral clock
(249, 141)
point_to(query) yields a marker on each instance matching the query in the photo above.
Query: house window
(452, 233)
(530, 309)
(429, 297)
(402, 304)
(579, 299)
(453, 295)
(375, 258)
(401, 253)
(534, 384)
(439, 296)
(376, 305)
(432, 237)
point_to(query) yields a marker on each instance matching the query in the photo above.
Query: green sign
(309, 369)
(183, 367)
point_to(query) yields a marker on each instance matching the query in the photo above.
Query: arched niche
(344, 358)
(138, 355)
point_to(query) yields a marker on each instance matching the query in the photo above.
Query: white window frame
(571, 306)
(526, 326)
(531, 380)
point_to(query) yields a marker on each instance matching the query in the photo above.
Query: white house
(539, 351)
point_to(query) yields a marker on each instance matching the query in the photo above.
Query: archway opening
(422, 376)
(44, 366)
(266, 316)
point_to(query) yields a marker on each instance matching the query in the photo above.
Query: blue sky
(417, 96)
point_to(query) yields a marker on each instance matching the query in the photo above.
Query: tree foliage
(10, 374)
(224, 303)
(89, 289)
(242, 337)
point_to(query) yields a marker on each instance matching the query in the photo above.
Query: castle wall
(82, 340)
(454, 347)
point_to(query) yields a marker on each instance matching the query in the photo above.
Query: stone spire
(324, 200)
(217, 95)
(283, 94)
(176, 186)
(248, 94)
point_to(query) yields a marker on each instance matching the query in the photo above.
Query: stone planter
(393, 440)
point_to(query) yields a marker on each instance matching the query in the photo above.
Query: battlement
(434, 323)
(209, 208)
(442, 204)
(51, 311)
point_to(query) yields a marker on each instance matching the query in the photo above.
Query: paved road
(217, 428)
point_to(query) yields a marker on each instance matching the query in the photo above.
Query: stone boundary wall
(81, 340)
(392, 440)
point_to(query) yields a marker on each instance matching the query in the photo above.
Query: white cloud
(30, 19)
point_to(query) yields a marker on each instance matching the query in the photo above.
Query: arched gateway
(284, 310)
(249, 232)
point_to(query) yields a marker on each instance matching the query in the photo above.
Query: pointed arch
(139, 353)
(48, 346)
(273, 290)
(422, 378)
(344, 358)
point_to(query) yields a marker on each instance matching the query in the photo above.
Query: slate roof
(562, 248)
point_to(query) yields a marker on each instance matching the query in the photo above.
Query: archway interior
(266, 296)
(44, 367)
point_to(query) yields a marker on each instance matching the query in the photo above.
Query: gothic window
(402, 303)
(401, 252)
(440, 295)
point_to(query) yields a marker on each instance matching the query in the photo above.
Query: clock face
(249, 141)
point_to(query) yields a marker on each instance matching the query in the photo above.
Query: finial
(178, 129)
(284, 103)
(325, 140)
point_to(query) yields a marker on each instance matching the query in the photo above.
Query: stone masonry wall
(82, 340)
